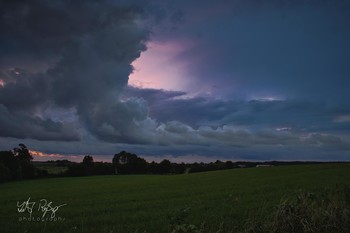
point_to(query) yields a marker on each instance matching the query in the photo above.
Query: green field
(51, 168)
(151, 203)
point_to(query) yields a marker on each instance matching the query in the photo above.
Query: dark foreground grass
(327, 212)
(220, 200)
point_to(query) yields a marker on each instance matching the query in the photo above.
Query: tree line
(17, 164)
(125, 163)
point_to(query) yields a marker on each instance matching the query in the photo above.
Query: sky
(182, 80)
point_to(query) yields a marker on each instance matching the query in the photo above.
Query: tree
(24, 157)
(123, 157)
(8, 160)
(165, 166)
(22, 153)
(88, 159)
(127, 163)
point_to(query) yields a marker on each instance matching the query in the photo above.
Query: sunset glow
(42, 156)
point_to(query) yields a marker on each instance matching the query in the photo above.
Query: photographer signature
(44, 207)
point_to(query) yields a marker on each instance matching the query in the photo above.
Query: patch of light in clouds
(343, 118)
(159, 67)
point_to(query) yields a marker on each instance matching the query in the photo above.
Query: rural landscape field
(163, 116)
(216, 201)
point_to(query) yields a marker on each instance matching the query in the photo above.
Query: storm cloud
(266, 80)
(241, 123)
(252, 49)
(73, 55)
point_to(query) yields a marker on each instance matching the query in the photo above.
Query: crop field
(226, 199)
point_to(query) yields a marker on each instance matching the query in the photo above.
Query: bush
(324, 213)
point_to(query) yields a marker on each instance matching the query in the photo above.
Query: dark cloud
(23, 91)
(23, 126)
(297, 114)
(40, 28)
(119, 122)
(64, 68)
(83, 51)
(175, 105)
(224, 143)
(253, 129)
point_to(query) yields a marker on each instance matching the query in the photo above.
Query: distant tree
(229, 165)
(128, 163)
(22, 153)
(178, 168)
(123, 157)
(165, 166)
(102, 168)
(88, 159)
(153, 168)
(87, 166)
(218, 165)
(26, 170)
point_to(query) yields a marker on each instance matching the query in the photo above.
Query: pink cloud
(159, 67)
(42, 156)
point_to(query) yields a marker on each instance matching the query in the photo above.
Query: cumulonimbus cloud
(64, 68)
(68, 55)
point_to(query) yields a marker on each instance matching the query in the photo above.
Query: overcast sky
(186, 80)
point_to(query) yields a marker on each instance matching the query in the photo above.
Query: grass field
(51, 168)
(151, 203)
